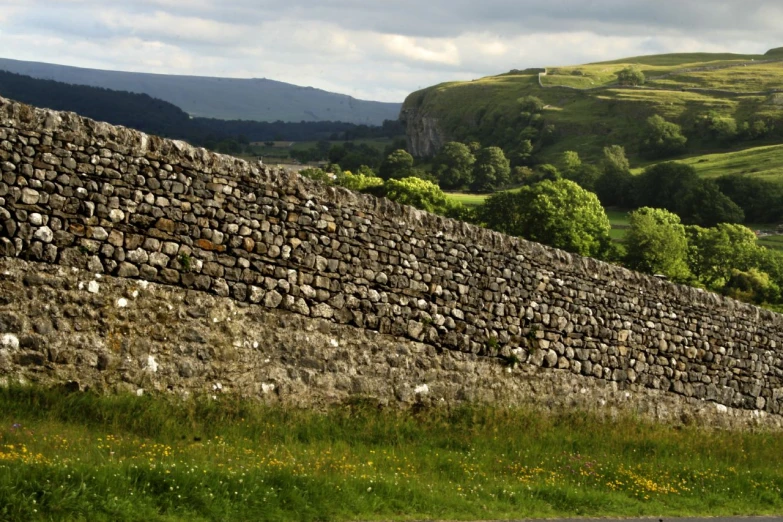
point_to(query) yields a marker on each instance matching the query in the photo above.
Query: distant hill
(584, 109)
(222, 98)
(154, 116)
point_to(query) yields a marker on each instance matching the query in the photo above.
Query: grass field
(686, 59)
(469, 200)
(662, 71)
(83, 457)
(760, 77)
(759, 162)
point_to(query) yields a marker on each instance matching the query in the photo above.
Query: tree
(614, 158)
(586, 176)
(702, 203)
(337, 153)
(658, 185)
(656, 243)
(753, 286)
(547, 172)
(531, 104)
(714, 253)
(559, 213)
(662, 138)
(676, 187)
(453, 166)
(760, 200)
(522, 154)
(491, 170)
(361, 180)
(418, 193)
(398, 164)
(719, 128)
(571, 163)
(615, 185)
(630, 76)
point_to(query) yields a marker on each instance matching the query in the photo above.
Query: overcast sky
(373, 49)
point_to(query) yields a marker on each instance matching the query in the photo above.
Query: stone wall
(114, 202)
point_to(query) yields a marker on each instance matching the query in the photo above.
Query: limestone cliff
(423, 131)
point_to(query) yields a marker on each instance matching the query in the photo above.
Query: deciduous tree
(559, 213)
(661, 138)
(630, 76)
(656, 243)
(453, 166)
(398, 164)
(491, 170)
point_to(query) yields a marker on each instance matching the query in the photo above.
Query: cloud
(372, 49)
(432, 50)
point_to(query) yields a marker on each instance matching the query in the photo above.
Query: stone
(9, 341)
(322, 310)
(272, 299)
(116, 215)
(127, 270)
(44, 234)
(30, 196)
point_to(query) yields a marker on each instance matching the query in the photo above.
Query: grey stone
(44, 234)
(272, 299)
(30, 196)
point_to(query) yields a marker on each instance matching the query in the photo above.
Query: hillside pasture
(587, 120)
(605, 73)
(764, 162)
(745, 78)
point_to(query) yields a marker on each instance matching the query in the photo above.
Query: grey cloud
(452, 17)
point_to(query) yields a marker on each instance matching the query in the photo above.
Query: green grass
(764, 162)
(469, 200)
(686, 59)
(761, 77)
(83, 457)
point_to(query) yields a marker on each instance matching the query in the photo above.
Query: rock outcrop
(423, 132)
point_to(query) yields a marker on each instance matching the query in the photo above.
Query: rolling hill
(586, 109)
(155, 116)
(222, 98)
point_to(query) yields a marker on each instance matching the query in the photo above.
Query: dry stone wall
(126, 206)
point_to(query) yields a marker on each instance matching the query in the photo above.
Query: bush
(630, 76)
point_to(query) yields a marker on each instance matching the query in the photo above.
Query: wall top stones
(111, 200)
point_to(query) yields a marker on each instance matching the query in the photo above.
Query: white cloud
(443, 52)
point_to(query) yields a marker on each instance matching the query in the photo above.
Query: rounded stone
(44, 234)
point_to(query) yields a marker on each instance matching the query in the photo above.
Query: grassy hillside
(599, 112)
(765, 162)
(256, 99)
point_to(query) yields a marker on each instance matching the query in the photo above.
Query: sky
(373, 49)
